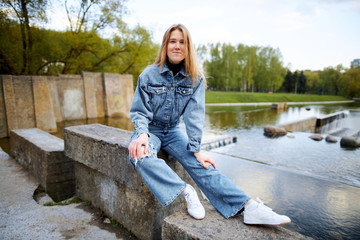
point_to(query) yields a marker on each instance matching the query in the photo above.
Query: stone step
(42, 154)
(211, 142)
(214, 226)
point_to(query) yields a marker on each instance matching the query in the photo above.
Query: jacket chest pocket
(183, 96)
(157, 96)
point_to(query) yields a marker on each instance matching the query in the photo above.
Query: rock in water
(316, 137)
(330, 139)
(272, 131)
(349, 141)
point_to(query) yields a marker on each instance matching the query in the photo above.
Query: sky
(310, 34)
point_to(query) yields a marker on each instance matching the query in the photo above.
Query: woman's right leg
(162, 181)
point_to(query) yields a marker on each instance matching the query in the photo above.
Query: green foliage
(245, 97)
(24, 11)
(63, 203)
(243, 68)
(10, 47)
(81, 47)
(350, 82)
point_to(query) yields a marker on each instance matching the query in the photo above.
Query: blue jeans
(166, 185)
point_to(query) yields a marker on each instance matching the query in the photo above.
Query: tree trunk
(28, 37)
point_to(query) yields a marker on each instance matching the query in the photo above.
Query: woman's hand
(140, 146)
(205, 160)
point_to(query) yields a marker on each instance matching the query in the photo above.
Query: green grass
(247, 97)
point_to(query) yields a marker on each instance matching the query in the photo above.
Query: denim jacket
(161, 99)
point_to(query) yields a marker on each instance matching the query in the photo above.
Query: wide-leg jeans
(166, 185)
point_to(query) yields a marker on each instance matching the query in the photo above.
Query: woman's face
(176, 47)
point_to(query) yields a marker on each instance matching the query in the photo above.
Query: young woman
(170, 90)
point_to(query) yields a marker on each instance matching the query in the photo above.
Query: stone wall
(42, 101)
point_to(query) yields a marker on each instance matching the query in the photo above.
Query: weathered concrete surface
(94, 94)
(209, 143)
(305, 125)
(118, 94)
(214, 226)
(19, 102)
(42, 154)
(279, 107)
(44, 110)
(3, 119)
(71, 97)
(21, 217)
(105, 177)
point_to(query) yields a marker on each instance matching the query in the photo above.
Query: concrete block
(44, 111)
(279, 107)
(54, 94)
(119, 93)
(105, 177)
(42, 154)
(214, 226)
(304, 125)
(94, 94)
(3, 119)
(71, 97)
(19, 102)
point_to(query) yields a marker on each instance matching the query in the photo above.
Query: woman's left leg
(223, 194)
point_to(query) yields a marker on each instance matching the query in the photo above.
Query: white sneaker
(194, 206)
(264, 215)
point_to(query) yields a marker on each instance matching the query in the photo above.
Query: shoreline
(270, 103)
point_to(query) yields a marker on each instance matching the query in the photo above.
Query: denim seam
(174, 197)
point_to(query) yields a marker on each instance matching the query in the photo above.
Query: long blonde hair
(192, 67)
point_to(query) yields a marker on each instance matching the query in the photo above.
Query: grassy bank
(245, 97)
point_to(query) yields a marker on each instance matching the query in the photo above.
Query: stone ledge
(214, 226)
(105, 177)
(42, 154)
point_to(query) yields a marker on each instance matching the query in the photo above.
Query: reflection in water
(321, 207)
(122, 123)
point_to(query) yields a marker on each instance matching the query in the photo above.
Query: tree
(295, 81)
(90, 17)
(26, 10)
(244, 67)
(330, 78)
(10, 46)
(312, 80)
(288, 82)
(250, 67)
(302, 88)
(350, 82)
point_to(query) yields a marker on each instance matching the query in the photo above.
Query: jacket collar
(165, 69)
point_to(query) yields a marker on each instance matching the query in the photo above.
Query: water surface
(316, 183)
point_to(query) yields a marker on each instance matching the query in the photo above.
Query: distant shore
(270, 103)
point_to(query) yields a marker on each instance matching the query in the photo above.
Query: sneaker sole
(197, 218)
(272, 224)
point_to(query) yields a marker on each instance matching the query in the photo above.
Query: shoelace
(190, 201)
(262, 205)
